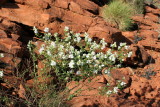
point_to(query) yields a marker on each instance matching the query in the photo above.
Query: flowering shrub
(72, 57)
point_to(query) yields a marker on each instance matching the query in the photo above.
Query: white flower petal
(46, 30)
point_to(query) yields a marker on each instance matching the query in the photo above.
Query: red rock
(36, 3)
(130, 35)
(15, 37)
(88, 5)
(78, 9)
(139, 56)
(3, 34)
(12, 61)
(25, 16)
(77, 18)
(22, 92)
(117, 74)
(146, 22)
(102, 31)
(30, 83)
(152, 17)
(152, 10)
(62, 4)
(12, 81)
(75, 8)
(9, 46)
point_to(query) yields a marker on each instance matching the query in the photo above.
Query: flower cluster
(115, 90)
(75, 57)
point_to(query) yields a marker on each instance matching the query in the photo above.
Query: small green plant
(148, 73)
(119, 13)
(137, 38)
(53, 99)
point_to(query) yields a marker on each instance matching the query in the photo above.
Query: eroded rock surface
(17, 17)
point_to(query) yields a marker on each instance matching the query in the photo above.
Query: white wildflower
(95, 71)
(35, 30)
(61, 47)
(71, 48)
(66, 28)
(53, 44)
(78, 39)
(64, 57)
(126, 47)
(68, 38)
(79, 62)
(108, 84)
(61, 54)
(122, 44)
(119, 65)
(77, 52)
(49, 53)
(129, 54)
(107, 71)
(101, 55)
(87, 56)
(78, 72)
(41, 49)
(114, 45)
(55, 34)
(88, 61)
(103, 46)
(115, 53)
(97, 61)
(86, 35)
(71, 56)
(122, 83)
(77, 34)
(84, 55)
(102, 65)
(94, 57)
(93, 53)
(53, 63)
(94, 46)
(46, 30)
(89, 40)
(103, 43)
(71, 64)
(95, 65)
(109, 92)
(1, 74)
(112, 58)
(1, 55)
(119, 47)
(115, 90)
(109, 52)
